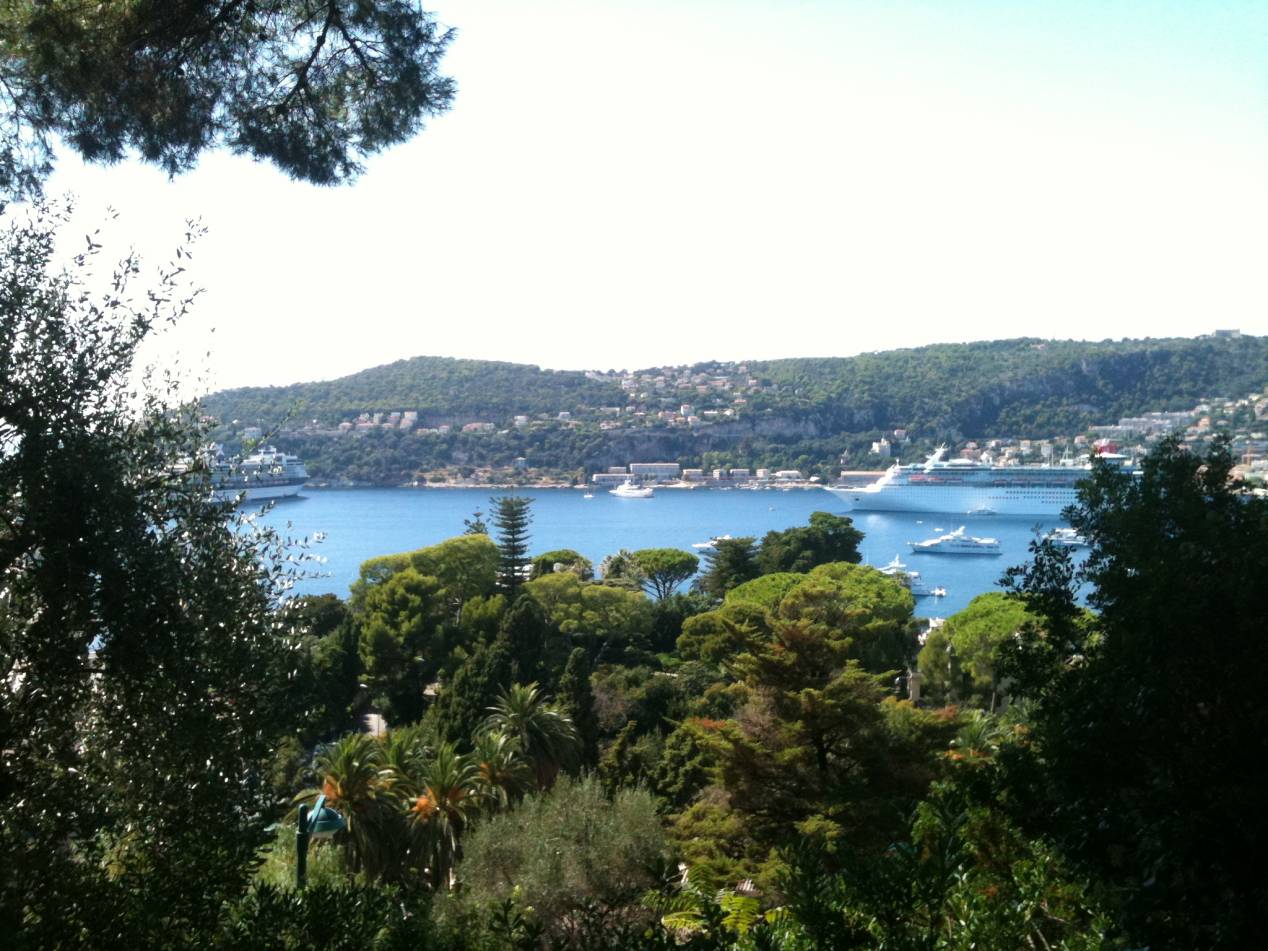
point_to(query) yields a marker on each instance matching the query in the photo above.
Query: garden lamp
(320, 823)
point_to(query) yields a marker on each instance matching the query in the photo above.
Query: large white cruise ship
(265, 474)
(966, 487)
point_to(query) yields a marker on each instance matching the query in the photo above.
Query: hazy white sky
(624, 184)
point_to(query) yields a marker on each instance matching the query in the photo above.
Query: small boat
(982, 511)
(956, 543)
(1066, 538)
(939, 592)
(712, 542)
(629, 490)
(588, 495)
(910, 580)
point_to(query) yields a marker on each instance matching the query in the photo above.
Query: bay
(348, 526)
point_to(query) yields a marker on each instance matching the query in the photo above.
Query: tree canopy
(314, 87)
(827, 538)
(145, 677)
(1144, 729)
(662, 570)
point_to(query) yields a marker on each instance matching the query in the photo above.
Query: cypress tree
(462, 706)
(576, 698)
(526, 631)
(511, 517)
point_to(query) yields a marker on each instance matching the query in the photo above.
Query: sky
(651, 182)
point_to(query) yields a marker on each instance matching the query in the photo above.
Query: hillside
(437, 388)
(806, 413)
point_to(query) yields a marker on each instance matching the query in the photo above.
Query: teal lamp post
(320, 823)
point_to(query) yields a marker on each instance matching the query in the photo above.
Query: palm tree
(405, 751)
(444, 798)
(356, 781)
(543, 732)
(503, 772)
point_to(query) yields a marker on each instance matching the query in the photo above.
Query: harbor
(358, 524)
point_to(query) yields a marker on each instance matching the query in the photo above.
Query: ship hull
(257, 492)
(959, 500)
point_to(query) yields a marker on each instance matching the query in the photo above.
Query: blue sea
(353, 525)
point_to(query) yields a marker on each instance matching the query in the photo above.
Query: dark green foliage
(314, 88)
(684, 768)
(333, 665)
(826, 539)
(342, 918)
(729, 563)
(528, 635)
(146, 676)
(460, 710)
(576, 699)
(511, 517)
(669, 614)
(961, 876)
(1146, 743)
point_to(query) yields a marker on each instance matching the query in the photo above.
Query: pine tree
(577, 700)
(511, 517)
(475, 525)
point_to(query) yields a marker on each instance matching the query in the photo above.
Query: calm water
(361, 523)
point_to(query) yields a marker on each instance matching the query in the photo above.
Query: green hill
(804, 413)
(434, 387)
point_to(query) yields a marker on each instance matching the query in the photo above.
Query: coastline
(502, 486)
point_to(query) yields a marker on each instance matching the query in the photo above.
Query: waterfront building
(655, 470)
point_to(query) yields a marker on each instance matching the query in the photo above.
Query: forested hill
(1023, 387)
(1016, 387)
(434, 387)
(810, 414)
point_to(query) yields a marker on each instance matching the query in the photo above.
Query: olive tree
(144, 670)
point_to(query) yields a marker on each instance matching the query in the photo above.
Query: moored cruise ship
(265, 474)
(969, 488)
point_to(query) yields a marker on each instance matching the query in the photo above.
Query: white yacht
(910, 580)
(1066, 538)
(630, 490)
(956, 543)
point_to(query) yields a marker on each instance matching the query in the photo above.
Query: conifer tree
(526, 631)
(460, 710)
(511, 516)
(576, 698)
(731, 562)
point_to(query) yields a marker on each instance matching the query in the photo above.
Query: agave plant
(443, 799)
(357, 782)
(543, 732)
(502, 771)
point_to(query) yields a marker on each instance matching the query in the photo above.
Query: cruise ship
(966, 487)
(265, 474)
